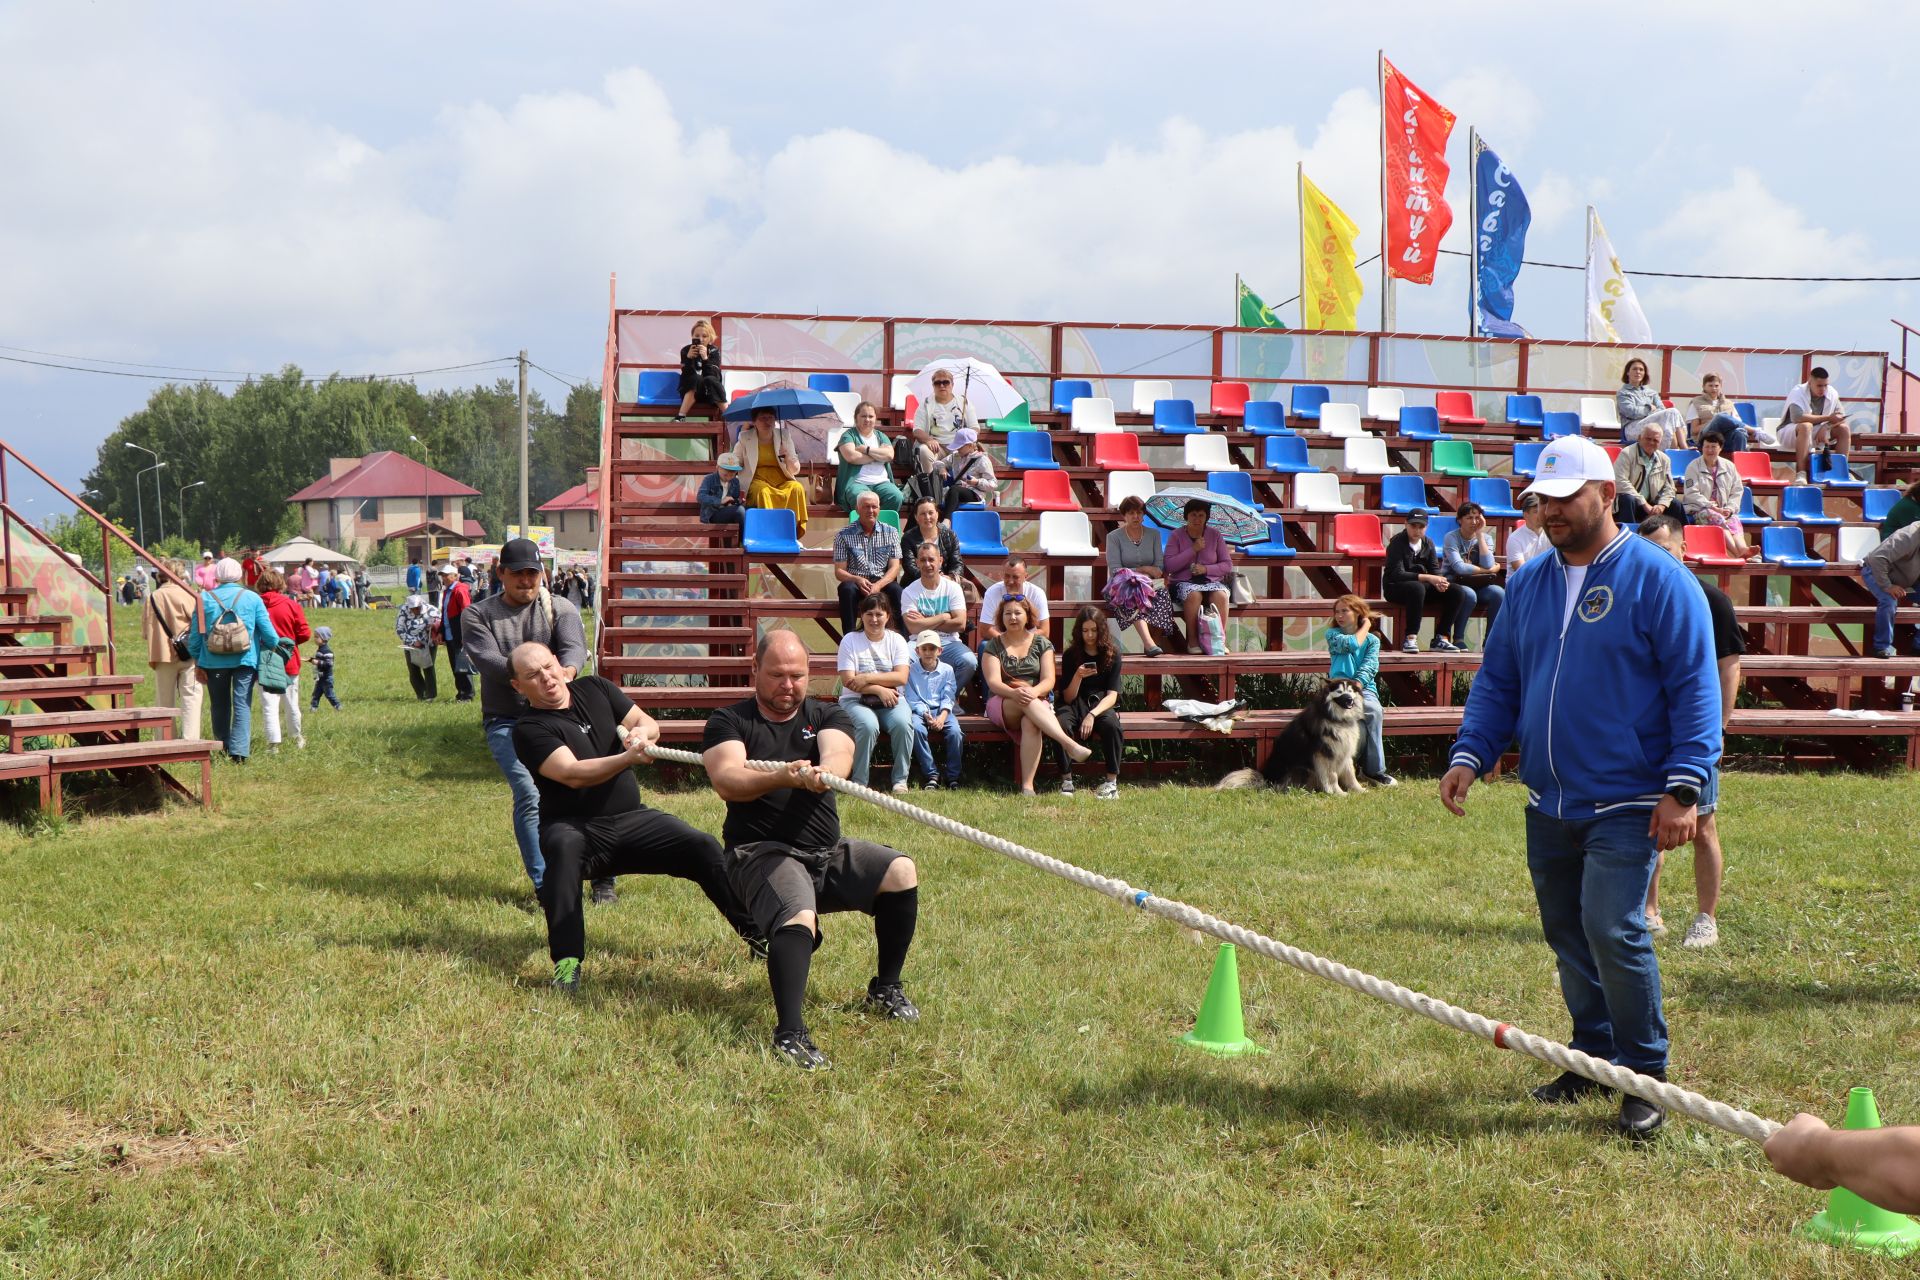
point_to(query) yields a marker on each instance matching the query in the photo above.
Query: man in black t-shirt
(1709, 864)
(785, 855)
(580, 740)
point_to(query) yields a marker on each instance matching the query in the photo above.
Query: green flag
(1254, 313)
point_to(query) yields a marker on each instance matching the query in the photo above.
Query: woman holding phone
(700, 370)
(1092, 669)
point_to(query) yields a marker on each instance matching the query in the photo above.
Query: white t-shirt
(941, 420)
(943, 596)
(991, 598)
(869, 472)
(866, 657)
(1523, 544)
(1576, 579)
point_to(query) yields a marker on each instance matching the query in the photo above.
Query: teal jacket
(249, 608)
(1349, 659)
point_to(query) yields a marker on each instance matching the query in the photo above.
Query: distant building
(363, 503)
(575, 515)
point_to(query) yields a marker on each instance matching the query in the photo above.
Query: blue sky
(374, 188)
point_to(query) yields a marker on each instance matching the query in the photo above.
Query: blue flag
(1502, 241)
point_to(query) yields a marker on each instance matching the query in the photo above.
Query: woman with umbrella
(941, 415)
(1199, 566)
(770, 468)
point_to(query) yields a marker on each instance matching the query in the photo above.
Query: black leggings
(1106, 733)
(643, 842)
(1412, 598)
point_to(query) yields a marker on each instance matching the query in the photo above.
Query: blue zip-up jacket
(1623, 705)
(251, 612)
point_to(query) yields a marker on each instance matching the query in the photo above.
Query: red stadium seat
(1117, 451)
(1230, 398)
(1757, 470)
(1613, 451)
(1456, 409)
(1047, 491)
(1707, 544)
(1358, 534)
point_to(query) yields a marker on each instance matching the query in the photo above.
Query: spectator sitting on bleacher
(1638, 403)
(926, 527)
(1199, 566)
(1890, 571)
(1902, 513)
(1713, 411)
(700, 378)
(1813, 416)
(970, 476)
(1470, 565)
(1644, 470)
(1013, 584)
(1353, 653)
(719, 496)
(1133, 547)
(1713, 491)
(933, 605)
(1528, 539)
(866, 561)
(1018, 666)
(866, 461)
(939, 419)
(1091, 668)
(770, 468)
(931, 699)
(873, 664)
(1411, 575)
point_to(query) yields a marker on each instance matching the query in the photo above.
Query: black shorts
(777, 881)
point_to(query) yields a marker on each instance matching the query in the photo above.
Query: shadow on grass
(1769, 995)
(1432, 926)
(1390, 1110)
(415, 887)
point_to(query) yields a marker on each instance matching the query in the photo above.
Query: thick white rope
(1740, 1123)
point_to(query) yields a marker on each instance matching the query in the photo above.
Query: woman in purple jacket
(1198, 566)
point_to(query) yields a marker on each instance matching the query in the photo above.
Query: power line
(131, 364)
(252, 377)
(570, 383)
(1701, 275)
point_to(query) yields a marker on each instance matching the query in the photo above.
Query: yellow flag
(1329, 286)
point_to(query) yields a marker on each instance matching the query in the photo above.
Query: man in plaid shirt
(866, 560)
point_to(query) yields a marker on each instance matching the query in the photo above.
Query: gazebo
(301, 550)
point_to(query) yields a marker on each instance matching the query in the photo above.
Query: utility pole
(523, 443)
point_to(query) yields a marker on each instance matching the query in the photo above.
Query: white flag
(1613, 312)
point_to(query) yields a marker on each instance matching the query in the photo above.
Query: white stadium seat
(1207, 453)
(1338, 419)
(1146, 391)
(1319, 491)
(1129, 484)
(1598, 413)
(1093, 414)
(1367, 456)
(1384, 403)
(1066, 533)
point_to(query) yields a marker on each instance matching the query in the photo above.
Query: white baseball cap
(1568, 464)
(926, 638)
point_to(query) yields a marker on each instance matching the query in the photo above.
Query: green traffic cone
(1848, 1220)
(1221, 1028)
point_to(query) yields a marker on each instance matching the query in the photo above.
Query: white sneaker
(899, 788)
(1107, 790)
(300, 744)
(1655, 925)
(1702, 933)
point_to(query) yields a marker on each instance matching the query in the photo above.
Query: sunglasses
(943, 382)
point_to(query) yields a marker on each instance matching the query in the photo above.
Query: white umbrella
(975, 381)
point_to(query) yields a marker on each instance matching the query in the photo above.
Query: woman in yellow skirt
(770, 469)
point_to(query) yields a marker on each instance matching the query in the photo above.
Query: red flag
(1414, 142)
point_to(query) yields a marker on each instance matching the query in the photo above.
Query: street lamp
(182, 504)
(426, 504)
(139, 503)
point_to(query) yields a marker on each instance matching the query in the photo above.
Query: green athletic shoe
(566, 977)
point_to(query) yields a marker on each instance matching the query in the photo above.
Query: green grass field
(308, 1035)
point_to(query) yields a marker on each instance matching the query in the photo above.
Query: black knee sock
(789, 955)
(894, 918)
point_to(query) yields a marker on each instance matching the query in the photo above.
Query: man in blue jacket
(1602, 670)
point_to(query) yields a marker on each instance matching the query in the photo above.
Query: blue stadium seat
(1233, 484)
(1287, 454)
(1421, 422)
(1525, 411)
(1748, 513)
(1804, 504)
(1067, 390)
(829, 382)
(1401, 494)
(1030, 451)
(1440, 526)
(1267, 418)
(658, 386)
(1876, 503)
(1681, 459)
(769, 531)
(1494, 495)
(1829, 471)
(1275, 547)
(1175, 418)
(978, 533)
(1748, 414)
(1787, 545)
(1555, 425)
(1307, 401)
(1526, 457)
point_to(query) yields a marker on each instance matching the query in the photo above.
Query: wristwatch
(1687, 796)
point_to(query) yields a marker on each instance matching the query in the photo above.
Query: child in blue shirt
(1353, 653)
(930, 694)
(323, 670)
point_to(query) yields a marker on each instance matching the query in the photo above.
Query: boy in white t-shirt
(873, 665)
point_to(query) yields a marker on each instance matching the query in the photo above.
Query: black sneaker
(1639, 1119)
(1381, 779)
(890, 1001)
(757, 946)
(566, 977)
(604, 894)
(931, 784)
(798, 1048)
(1569, 1087)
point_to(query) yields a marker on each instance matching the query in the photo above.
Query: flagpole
(1473, 232)
(1386, 271)
(1300, 205)
(1236, 298)
(1586, 324)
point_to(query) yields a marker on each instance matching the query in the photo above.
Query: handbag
(420, 656)
(273, 677)
(228, 635)
(1239, 588)
(181, 651)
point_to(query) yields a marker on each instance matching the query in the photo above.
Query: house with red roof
(575, 514)
(363, 503)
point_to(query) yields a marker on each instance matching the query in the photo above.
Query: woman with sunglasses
(939, 417)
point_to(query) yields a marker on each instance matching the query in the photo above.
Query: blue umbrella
(787, 404)
(1237, 522)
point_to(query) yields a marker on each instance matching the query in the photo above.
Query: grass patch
(325, 1004)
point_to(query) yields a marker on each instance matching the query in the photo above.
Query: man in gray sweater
(491, 630)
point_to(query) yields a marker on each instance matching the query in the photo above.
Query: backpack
(227, 635)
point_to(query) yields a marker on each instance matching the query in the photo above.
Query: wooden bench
(121, 720)
(33, 764)
(115, 756)
(77, 689)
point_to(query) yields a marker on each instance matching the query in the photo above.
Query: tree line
(260, 442)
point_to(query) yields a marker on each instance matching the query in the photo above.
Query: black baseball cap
(521, 553)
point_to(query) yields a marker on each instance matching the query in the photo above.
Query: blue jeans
(952, 745)
(1886, 598)
(1734, 429)
(1373, 749)
(867, 722)
(966, 665)
(1492, 595)
(526, 797)
(230, 690)
(1590, 877)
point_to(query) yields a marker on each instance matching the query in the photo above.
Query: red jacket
(250, 572)
(456, 604)
(289, 622)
